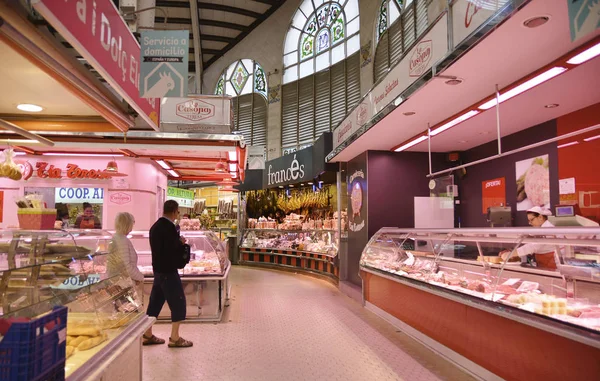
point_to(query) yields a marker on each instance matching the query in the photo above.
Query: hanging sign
(468, 15)
(430, 49)
(180, 193)
(98, 32)
(164, 63)
(584, 17)
(79, 195)
(289, 169)
(208, 114)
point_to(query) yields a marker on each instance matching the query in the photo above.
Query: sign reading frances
(289, 169)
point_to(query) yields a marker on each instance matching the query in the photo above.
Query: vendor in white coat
(544, 254)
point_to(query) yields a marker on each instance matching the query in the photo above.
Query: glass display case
(560, 281)
(314, 251)
(324, 242)
(205, 278)
(44, 269)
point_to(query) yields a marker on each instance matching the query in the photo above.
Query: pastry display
(315, 241)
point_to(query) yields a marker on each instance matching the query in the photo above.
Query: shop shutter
(234, 104)
(422, 18)
(352, 81)
(245, 116)
(395, 36)
(408, 23)
(289, 114)
(338, 93)
(382, 59)
(306, 109)
(322, 103)
(259, 121)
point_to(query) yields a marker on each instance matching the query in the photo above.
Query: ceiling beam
(223, 24)
(229, 9)
(138, 34)
(197, 42)
(211, 51)
(246, 32)
(172, 20)
(172, 4)
(212, 37)
(269, 2)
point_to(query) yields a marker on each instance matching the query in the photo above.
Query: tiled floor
(282, 326)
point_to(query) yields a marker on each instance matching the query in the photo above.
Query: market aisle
(288, 327)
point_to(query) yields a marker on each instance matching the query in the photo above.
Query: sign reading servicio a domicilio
(289, 169)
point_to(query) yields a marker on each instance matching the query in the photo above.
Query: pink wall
(137, 197)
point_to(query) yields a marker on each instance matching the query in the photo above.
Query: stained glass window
(318, 27)
(242, 77)
(389, 12)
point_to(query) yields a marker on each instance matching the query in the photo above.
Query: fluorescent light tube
(82, 154)
(454, 122)
(586, 55)
(533, 82)
(412, 143)
(173, 173)
(592, 138)
(162, 164)
(568, 144)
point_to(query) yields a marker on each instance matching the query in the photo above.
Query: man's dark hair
(170, 206)
(86, 205)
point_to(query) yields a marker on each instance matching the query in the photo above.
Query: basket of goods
(33, 214)
(34, 350)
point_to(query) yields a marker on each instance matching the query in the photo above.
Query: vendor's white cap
(540, 210)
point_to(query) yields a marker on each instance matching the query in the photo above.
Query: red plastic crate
(35, 350)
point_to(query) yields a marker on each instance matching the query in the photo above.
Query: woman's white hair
(124, 222)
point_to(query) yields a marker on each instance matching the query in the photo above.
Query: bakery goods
(91, 343)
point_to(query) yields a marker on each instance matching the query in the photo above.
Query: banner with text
(430, 49)
(164, 63)
(98, 32)
(468, 15)
(205, 113)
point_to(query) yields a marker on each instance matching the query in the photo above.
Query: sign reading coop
(164, 63)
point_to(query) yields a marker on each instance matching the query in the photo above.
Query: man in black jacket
(168, 251)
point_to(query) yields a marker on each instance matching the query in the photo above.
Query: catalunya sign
(99, 33)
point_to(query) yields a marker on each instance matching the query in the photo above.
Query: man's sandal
(180, 343)
(152, 340)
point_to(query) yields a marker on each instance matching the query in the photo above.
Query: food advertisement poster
(493, 193)
(533, 183)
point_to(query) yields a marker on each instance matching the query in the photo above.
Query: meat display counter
(450, 290)
(43, 270)
(313, 251)
(205, 278)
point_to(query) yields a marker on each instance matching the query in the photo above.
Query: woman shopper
(122, 257)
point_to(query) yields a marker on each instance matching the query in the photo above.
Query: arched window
(245, 80)
(399, 24)
(321, 78)
(322, 33)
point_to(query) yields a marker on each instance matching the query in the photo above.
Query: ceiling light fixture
(586, 55)
(533, 82)
(409, 113)
(163, 164)
(28, 107)
(592, 138)
(173, 173)
(568, 144)
(411, 143)
(310, 183)
(19, 141)
(398, 101)
(82, 154)
(552, 105)
(454, 122)
(534, 22)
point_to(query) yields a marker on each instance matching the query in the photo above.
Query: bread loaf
(70, 350)
(91, 343)
(78, 340)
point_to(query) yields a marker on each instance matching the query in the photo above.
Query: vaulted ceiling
(222, 23)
